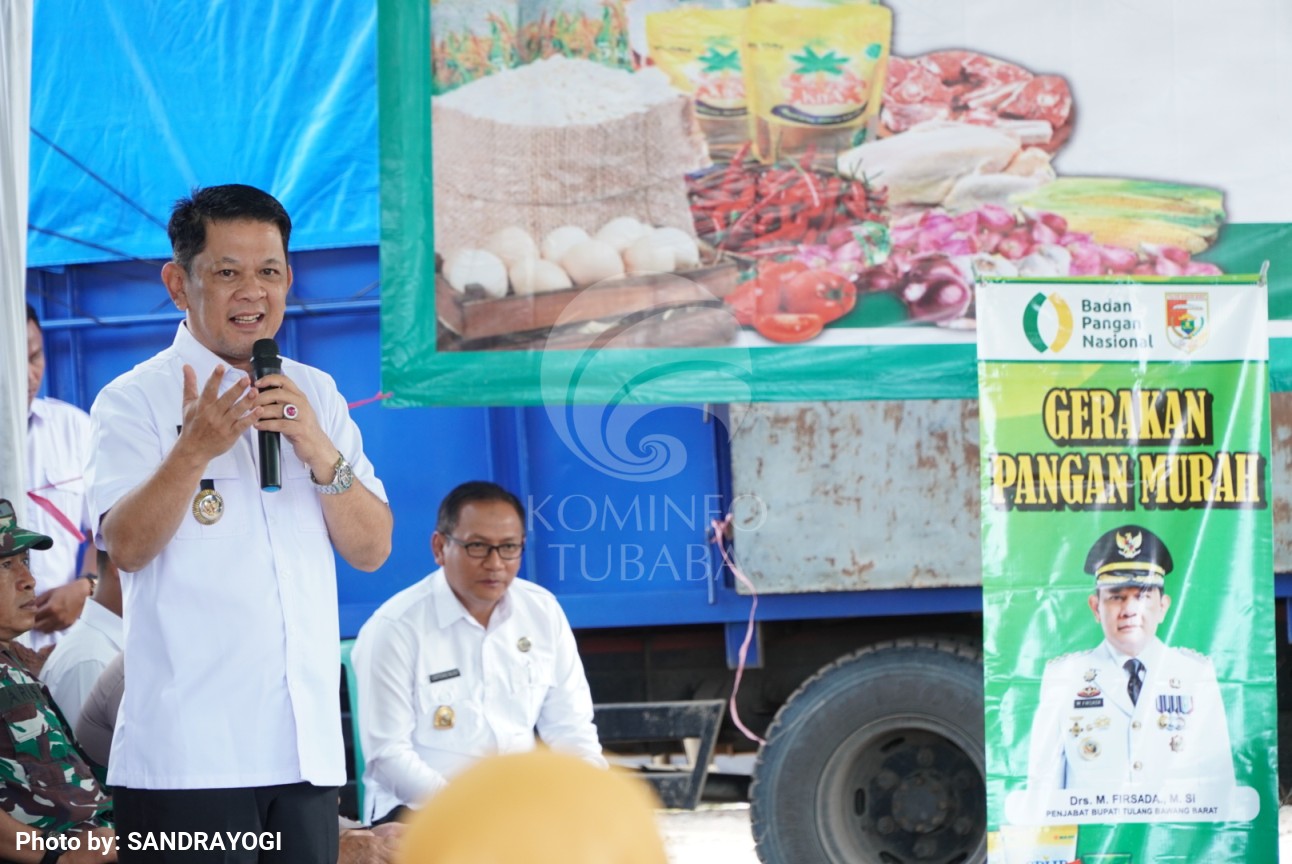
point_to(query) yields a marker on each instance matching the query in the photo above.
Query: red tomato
(780, 271)
(773, 278)
(789, 327)
(742, 302)
(820, 292)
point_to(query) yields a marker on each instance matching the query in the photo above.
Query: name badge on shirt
(445, 676)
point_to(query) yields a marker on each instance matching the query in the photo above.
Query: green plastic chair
(352, 690)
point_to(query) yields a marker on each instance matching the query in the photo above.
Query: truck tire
(877, 759)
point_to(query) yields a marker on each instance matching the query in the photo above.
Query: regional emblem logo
(1186, 320)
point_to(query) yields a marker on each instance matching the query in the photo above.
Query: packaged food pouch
(639, 10)
(814, 77)
(700, 51)
(1050, 844)
(995, 848)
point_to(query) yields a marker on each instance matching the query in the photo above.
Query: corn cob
(1129, 213)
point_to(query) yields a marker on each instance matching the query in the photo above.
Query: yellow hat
(539, 808)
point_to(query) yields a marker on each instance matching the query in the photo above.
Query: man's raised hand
(214, 421)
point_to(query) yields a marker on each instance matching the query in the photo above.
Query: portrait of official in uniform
(1132, 711)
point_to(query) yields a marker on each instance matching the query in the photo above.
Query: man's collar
(197, 355)
(449, 609)
(1148, 656)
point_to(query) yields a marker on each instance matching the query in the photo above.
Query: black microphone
(265, 361)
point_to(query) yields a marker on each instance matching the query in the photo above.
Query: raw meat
(968, 87)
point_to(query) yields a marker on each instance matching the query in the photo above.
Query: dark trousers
(293, 824)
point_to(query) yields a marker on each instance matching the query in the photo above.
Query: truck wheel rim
(900, 792)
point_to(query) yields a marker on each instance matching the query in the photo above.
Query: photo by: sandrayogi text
(1174, 478)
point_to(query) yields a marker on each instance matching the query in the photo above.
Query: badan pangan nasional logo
(1186, 320)
(1047, 322)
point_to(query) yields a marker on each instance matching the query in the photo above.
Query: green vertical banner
(1128, 597)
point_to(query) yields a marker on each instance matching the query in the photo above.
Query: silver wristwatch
(341, 482)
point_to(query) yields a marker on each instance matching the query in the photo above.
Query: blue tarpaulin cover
(133, 104)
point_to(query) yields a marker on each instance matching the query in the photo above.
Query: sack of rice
(561, 142)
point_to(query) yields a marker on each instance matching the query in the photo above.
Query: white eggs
(537, 276)
(476, 267)
(650, 255)
(567, 257)
(560, 240)
(686, 252)
(591, 261)
(512, 244)
(622, 231)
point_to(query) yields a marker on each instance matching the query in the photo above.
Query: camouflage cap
(1129, 556)
(14, 539)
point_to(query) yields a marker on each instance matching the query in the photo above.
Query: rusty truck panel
(838, 496)
(856, 496)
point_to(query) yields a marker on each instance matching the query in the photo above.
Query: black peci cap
(1129, 555)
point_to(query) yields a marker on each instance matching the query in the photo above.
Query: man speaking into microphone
(230, 721)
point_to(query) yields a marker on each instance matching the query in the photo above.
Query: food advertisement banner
(1128, 599)
(660, 200)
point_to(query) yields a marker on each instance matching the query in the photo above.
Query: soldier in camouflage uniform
(45, 784)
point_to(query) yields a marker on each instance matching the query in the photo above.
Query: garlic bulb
(537, 276)
(559, 241)
(591, 261)
(476, 267)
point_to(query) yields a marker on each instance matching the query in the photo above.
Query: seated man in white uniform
(88, 646)
(467, 662)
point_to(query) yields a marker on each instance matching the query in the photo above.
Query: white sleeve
(126, 447)
(1217, 763)
(72, 688)
(565, 720)
(1045, 761)
(384, 658)
(347, 438)
(84, 436)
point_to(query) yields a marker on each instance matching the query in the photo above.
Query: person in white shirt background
(88, 646)
(467, 662)
(58, 456)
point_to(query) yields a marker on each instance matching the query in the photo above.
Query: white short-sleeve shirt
(87, 647)
(58, 456)
(231, 632)
(438, 691)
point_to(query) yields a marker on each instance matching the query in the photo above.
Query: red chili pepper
(808, 156)
(858, 210)
(750, 206)
(734, 168)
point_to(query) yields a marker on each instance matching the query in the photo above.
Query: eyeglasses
(476, 549)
